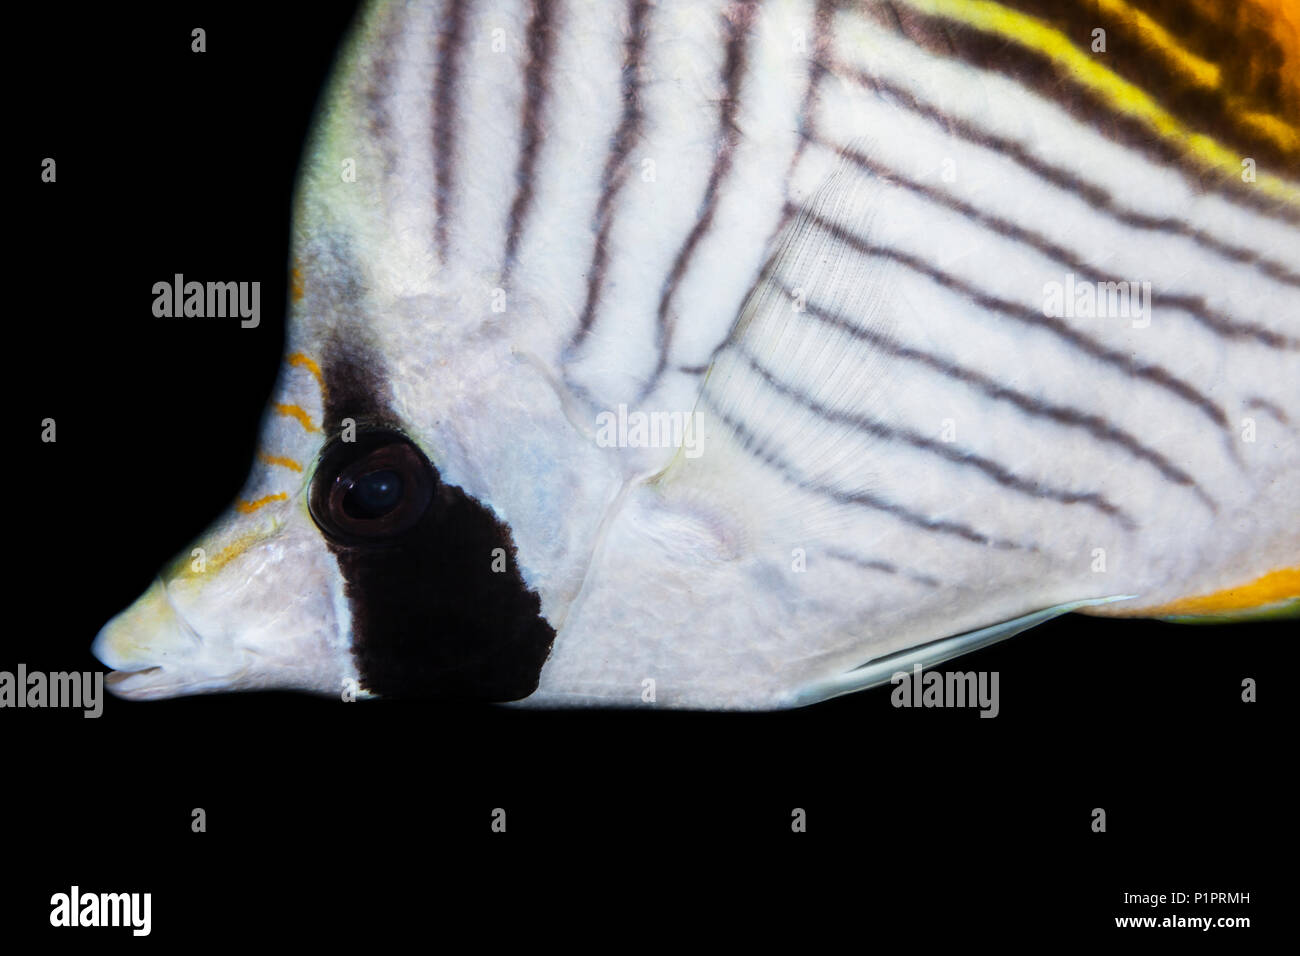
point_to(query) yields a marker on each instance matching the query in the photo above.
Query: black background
(332, 820)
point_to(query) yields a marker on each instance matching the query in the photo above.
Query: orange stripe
(248, 507)
(295, 411)
(304, 361)
(183, 565)
(296, 283)
(277, 460)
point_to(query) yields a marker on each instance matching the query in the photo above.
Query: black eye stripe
(439, 610)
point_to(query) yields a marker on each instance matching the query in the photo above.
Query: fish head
(256, 601)
(252, 606)
(408, 347)
(420, 514)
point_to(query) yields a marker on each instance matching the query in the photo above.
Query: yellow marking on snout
(1272, 588)
(248, 507)
(279, 460)
(183, 565)
(230, 551)
(297, 284)
(295, 411)
(299, 360)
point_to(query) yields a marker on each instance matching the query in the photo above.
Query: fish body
(705, 353)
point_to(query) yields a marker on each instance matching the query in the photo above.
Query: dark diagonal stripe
(615, 172)
(1193, 305)
(1154, 374)
(863, 499)
(886, 567)
(736, 22)
(1096, 426)
(1039, 72)
(821, 42)
(378, 92)
(541, 42)
(450, 48)
(989, 468)
(1264, 405)
(818, 57)
(1094, 195)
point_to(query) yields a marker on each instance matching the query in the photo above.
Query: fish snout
(150, 646)
(266, 612)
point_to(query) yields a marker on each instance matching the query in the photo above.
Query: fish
(725, 355)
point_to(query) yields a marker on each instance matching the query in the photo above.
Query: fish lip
(118, 683)
(117, 676)
(115, 679)
(158, 682)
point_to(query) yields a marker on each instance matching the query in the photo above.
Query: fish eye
(373, 494)
(371, 490)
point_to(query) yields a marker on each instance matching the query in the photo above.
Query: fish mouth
(128, 684)
(158, 682)
(115, 678)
